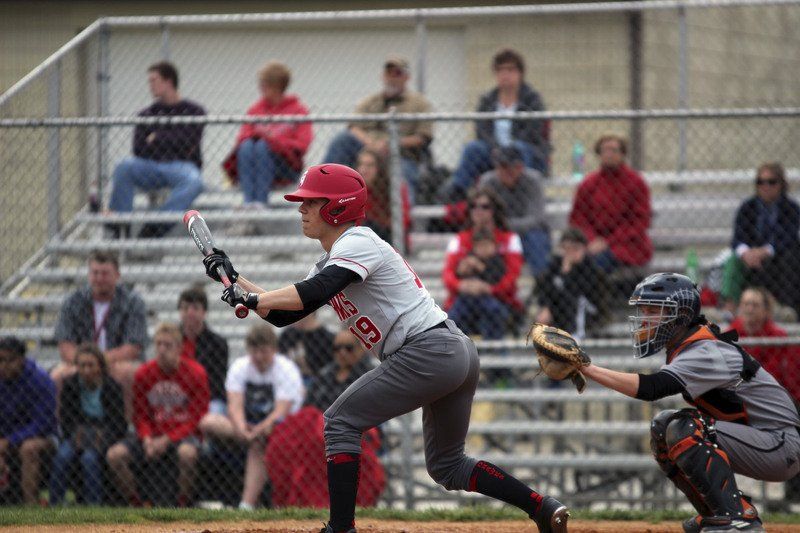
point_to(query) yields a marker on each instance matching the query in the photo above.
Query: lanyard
(98, 328)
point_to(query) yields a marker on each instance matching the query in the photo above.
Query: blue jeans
(183, 177)
(91, 466)
(606, 261)
(258, 167)
(477, 159)
(536, 249)
(344, 150)
(485, 315)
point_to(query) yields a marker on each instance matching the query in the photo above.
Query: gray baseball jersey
(709, 372)
(390, 304)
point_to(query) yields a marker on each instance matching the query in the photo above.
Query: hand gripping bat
(198, 229)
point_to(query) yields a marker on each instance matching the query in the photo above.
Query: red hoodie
(169, 404)
(780, 361)
(615, 205)
(289, 140)
(508, 245)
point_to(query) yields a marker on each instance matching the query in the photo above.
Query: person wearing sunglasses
(765, 236)
(350, 362)
(476, 305)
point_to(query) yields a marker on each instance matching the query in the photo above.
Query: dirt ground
(369, 526)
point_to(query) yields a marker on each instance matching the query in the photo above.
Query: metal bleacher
(522, 426)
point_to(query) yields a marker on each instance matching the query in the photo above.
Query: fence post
(54, 151)
(398, 241)
(102, 109)
(422, 52)
(683, 84)
(635, 40)
(165, 41)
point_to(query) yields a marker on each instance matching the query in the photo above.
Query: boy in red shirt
(170, 396)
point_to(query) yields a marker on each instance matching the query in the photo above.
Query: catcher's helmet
(343, 187)
(678, 301)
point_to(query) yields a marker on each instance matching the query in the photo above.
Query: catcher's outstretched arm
(624, 382)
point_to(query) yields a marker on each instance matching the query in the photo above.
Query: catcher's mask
(663, 303)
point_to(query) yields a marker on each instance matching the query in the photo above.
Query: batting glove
(219, 259)
(234, 295)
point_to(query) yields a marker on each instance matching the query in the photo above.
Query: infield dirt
(367, 526)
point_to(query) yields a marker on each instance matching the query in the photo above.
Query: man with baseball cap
(415, 136)
(520, 188)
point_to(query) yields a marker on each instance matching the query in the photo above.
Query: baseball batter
(743, 421)
(426, 361)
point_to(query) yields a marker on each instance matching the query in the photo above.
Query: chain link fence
(225, 412)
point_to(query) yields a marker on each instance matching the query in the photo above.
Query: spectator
(765, 236)
(27, 417)
(520, 188)
(263, 388)
(170, 395)
(92, 414)
(107, 314)
(164, 155)
(755, 320)
(351, 361)
(307, 343)
(271, 151)
(203, 345)
(478, 306)
(372, 167)
(511, 95)
(612, 208)
(573, 291)
(415, 136)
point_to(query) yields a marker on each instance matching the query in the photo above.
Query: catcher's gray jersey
(390, 304)
(709, 371)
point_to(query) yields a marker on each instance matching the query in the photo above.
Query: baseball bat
(198, 229)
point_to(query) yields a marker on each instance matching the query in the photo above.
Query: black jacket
(562, 294)
(752, 228)
(530, 131)
(211, 352)
(72, 416)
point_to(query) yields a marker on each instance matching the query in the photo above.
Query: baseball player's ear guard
(342, 187)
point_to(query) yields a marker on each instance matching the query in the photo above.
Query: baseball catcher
(559, 355)
(742, 420)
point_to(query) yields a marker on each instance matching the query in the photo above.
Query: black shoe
(720, 524)
(693, 525)
(552, 516)
(329, 529)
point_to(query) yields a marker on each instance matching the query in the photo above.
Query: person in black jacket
(573, 291)
(92, 414)
(350, 362)
(765, 236)
(511, 95)
(203, 345)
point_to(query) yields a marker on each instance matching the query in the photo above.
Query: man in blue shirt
(27, 416)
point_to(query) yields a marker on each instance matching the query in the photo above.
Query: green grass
(16, 516)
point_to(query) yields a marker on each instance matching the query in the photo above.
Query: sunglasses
(485, 207)
(348, 347)
(768, 181)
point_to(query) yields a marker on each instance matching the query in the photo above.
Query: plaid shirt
(126, 322)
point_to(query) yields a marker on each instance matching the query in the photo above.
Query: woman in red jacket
(612, 208)
(481, 299)
(275, 150)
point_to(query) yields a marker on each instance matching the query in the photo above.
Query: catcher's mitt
(559, 355)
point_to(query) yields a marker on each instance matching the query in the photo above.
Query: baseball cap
(398, 62)
(506, 155)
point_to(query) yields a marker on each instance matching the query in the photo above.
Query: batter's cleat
(552, 516)
(693, 525)
(329, 529)
(720, 524)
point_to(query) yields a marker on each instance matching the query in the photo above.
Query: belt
(440, 325)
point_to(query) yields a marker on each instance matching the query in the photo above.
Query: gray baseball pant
(436, 370)
(768, 455)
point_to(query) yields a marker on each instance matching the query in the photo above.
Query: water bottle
(692, 265)
(578, 153)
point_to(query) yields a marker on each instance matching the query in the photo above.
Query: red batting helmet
(343, 187)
